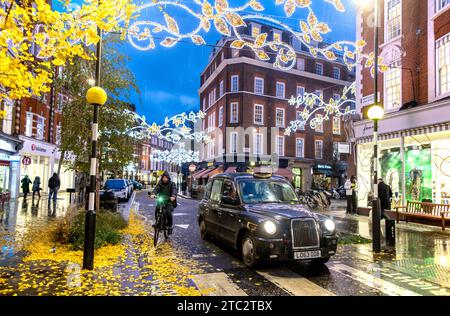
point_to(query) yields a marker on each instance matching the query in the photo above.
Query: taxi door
(230, 214)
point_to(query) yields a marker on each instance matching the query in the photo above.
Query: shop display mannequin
(415, 175)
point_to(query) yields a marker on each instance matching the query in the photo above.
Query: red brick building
(415, 91)
(247, 110)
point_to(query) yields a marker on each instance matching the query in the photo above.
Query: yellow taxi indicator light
(261, 175)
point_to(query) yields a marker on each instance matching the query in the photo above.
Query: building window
(298, 117)
(221, 88)
(233, 142)
(204, 104)
(212, 121)
(258, 144)
(301, 64)
(300, 91)
(393, 19)
(319, 69)
(300, 147)
(256, 30)
(220, 145)
(443, 64)
(259, 85)
(280, 93)
(319, 149)
(58, 135)
(279, 117)
(234, 117)
(393, 87)
(235, 53)
(60, 102)
(319, 93)
(277, 36)
(235, 83)
(441, 4)
(336, 125)
(259, 111)
(336, 96)
(7, 121)
(296, 44)
(29, 124)
(40, 127)
(280, 146)
(336, 73)
(221, 116)
(319, 123)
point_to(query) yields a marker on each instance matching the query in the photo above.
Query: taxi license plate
(307, 255)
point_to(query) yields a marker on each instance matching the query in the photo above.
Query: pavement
(420, 264)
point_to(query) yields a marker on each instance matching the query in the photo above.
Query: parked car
(137, 185)
(119, 187)
(130, 186)
(261, 216)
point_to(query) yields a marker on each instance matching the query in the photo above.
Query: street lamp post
(376, 113)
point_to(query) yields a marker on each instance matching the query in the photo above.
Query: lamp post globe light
(97, 97)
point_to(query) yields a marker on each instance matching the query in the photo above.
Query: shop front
(326, 176)
(9, 165)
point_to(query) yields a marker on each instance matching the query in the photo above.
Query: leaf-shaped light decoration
(222, 26)
(207, 9)
(144, 35)
(255, 5)
(304, 27)
(262, 55)
(323, 28)
(221, 6)
(330, 55)
(234, 19)
(206, 25)
(337, 4)
(306, 38)
(312, 19)
(316, 35)
(260, 40)
(198, 40)
(289, 7)
(277, 2)
(157, 29)
(171, 24)
(169, 42)
(303, 3)
(238, 44)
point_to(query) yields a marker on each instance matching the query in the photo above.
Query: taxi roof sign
(262, 175)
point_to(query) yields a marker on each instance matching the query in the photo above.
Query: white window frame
(234, 142)
(389, 34)
(257, 115)
(319, 127)
(58, 134)
(316, 153)
(234, 87)
(302, 153)
(234, 117)
(258, 142)
(221, 88)
(29, 124)
(300, 89)
(277, 123)
(278, 93)
(319, 66)
(301, 63)
(336, 129)
(279, 143)
(443, 46)
(221, 116)
(40, 127)
(298, 117)
(235, 53)
(388, 99)
(8, 107)
(441, 4)
(256, 86)
(337, 73)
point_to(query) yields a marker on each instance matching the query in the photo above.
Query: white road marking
(197, 256)
(386, 287)
(217, 284)
(184, 226)
(180, 214)
(293, 283)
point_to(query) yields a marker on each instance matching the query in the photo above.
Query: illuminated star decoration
(173, 130)
(176, 156)
(313, 103)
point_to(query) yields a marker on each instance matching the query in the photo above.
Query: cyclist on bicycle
(166, 189)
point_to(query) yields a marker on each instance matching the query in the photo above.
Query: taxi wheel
(248, 250)
(203, 233)
(320, 262)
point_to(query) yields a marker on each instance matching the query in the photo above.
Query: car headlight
(329, 225)
(270, 227)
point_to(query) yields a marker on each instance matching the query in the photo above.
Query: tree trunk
(63, 154)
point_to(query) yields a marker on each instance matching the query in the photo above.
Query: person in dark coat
(385, 195)
(53, 184)
(37, 187)
(25, 186)
(168, 189)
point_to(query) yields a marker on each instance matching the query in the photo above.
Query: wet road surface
(420, 265)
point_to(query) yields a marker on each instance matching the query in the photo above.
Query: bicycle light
(160, 199)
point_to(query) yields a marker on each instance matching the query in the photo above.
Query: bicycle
(161, 220)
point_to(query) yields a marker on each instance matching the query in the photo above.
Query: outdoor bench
(424, 210)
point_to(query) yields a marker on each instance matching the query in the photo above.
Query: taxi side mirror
(229, 200)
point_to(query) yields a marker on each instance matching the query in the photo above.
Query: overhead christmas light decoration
(176, 156)
(313, 103)
(173, 130)
(227, 20)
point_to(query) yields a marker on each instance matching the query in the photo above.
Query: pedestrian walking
(385, 196)
(25, 186)
(351, 191)
(53, 184)
(37, 187)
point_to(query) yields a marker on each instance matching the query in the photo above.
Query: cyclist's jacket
(168, 190)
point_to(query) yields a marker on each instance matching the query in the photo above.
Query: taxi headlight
(329, 225)
(270, 227)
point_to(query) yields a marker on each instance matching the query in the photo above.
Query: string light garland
(313, 103)
(176, 156)
(173, 130)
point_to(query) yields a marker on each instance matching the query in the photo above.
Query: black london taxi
(261, 216)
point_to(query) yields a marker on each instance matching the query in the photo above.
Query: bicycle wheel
(157, 229)
(165, 229)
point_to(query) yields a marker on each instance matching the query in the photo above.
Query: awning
(212, 172)
(199, 173)
(231, 170)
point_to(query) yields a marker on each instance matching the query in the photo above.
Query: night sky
(169, 78)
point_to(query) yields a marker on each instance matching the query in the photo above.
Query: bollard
(390, 232)
(376, 225)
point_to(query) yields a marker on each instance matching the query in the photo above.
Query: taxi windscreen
(266, 191)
